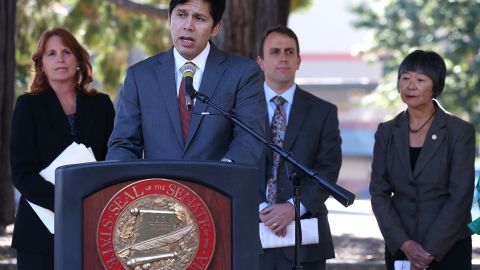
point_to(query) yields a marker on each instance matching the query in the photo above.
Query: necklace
(418, 129)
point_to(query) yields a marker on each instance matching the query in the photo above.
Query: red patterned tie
(279, 126)
(185, 115)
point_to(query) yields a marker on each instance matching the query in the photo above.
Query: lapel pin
(434, 137)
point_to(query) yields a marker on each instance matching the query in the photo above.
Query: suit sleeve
(25, 157)
(126, 141)
(250, 109)
(455, 212)
(380, 191)
(328, 160)
(108, 117)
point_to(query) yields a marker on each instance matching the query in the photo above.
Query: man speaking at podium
(155, 117)
(306, 127)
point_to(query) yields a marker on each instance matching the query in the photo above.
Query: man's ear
(299, 61)
(260, 62)
(216, 29)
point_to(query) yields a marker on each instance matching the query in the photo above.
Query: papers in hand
(401, 265)
(73, 154)
(309, 234)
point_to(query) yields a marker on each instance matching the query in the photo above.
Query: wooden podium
(230, 191)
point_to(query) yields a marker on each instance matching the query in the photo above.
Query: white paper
(73, 154)
(309, 234)
(402, 265)
(45, 215)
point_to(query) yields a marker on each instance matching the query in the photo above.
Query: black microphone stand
(342, 195)
(298, 225)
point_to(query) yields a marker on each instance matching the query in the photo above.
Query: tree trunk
(7, 84)
(244, 22)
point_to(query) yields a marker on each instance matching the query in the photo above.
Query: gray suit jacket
(148, 120)
(431, 204)
(313, 138)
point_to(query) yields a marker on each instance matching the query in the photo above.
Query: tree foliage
(109, 29)
(450, 28)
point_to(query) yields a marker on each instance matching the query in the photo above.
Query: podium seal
(155, 224)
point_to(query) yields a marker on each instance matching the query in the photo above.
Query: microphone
(188, 70)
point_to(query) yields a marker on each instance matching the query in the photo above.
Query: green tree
(109, 29)
(450, 28)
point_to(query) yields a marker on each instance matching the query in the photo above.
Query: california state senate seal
(155, 224)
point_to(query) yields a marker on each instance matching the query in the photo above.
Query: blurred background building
(331, 70)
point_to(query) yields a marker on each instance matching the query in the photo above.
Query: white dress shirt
(200, 62)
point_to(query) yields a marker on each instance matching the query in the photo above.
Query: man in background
(307, 127)
(156, 118)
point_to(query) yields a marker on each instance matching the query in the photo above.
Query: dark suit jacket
(430, 204)
(313, 138)
(40, 132)
(148, 120)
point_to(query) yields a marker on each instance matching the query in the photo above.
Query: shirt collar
(200, 61)
(287, 95)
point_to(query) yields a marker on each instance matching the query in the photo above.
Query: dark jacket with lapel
(40, 132)
(147, 123)
(313, 138)
(430, 204)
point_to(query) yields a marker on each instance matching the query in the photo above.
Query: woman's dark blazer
(431, 204)
(40, 132)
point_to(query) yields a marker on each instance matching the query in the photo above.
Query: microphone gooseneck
(188, 70)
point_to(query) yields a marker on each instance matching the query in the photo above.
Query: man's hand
(418, 257)
(277, 217)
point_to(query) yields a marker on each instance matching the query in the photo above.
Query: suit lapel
(268, 136)
(298, 113)
(84, 117)
(56, 116)
(433, 140)
(401, 142)
(165, 75)
(214, 70)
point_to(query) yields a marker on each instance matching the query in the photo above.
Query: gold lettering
(114, 209)
(196, 265)
(136, 193)
(178, 193)
(107, 224)
(107, 251)
(111, 262)
(171, 189)
(128, 197)
(204, 223)
(119, 202)
(204, 259)
(195, 208)
(105, 239)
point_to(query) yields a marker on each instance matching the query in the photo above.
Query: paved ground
(7, 254)
(357, 239)
(356, 234)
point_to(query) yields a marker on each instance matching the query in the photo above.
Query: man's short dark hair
(217, 7)
(429, 63)
(277, 29)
